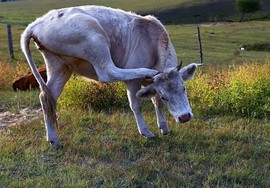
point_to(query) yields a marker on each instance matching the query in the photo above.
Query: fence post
(10, 43)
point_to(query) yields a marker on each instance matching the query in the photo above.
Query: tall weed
(241, 90)
(98, 96)
(11, 71)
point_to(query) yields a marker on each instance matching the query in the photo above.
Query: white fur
(103, 44)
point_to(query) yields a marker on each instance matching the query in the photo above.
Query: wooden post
(200, 45)
(10, 43)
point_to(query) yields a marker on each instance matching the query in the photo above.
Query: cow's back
(134, 41)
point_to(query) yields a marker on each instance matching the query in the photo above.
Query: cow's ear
(146, 92)
(188, 72)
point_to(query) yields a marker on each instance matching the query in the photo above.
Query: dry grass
(11, 71)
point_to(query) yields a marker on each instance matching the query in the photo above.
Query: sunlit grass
(10, 71)
(236, 89)
(239, 90)
(102, 149)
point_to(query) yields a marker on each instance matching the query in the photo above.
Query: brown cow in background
(29, 81)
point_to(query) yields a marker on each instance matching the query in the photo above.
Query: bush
(257, 47)
(247, 6)
(242, 90)
(80, 93)
(238, 90)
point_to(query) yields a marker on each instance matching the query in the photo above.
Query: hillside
(169, 12)
(211, 10)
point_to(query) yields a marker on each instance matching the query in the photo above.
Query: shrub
(242, 90)
(249, 89)
(80, 93)
(247, 6)
(257, 47)
(238, 90)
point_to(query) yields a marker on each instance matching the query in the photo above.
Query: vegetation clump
(80, 93)
(257, 47)
(239, 90)
(247, 6)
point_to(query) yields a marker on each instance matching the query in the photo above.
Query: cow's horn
(178, 67)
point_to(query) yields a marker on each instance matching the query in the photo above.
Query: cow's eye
(184, 89)
(164, 98)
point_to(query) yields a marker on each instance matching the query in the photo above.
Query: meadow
(227, 144)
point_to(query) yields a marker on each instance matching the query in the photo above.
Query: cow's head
(169, 85)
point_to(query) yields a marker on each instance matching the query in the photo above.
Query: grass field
(223, 146)
(105, 150)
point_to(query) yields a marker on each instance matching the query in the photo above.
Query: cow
(28, 81)
(109, 45)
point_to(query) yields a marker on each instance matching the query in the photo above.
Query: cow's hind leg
(58, 75)
(161, 119)
(135, 105)
(94, 47)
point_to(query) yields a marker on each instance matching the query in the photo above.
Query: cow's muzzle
(185, 117)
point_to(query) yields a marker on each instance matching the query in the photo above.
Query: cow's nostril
(184, 118)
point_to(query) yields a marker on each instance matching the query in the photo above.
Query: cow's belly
(85, 69)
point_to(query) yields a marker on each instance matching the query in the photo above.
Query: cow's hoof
(165, 131)
(56, 144)
(148, 135)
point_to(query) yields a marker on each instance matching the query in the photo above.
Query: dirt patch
(8, 118)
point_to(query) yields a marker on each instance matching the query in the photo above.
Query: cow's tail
(48, 102)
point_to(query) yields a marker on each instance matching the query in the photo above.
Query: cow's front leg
(135, 105)
(161, 119)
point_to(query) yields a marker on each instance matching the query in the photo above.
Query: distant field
(168, 11)
(9, 11)
(220, 42)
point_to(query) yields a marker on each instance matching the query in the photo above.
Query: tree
(247, 6)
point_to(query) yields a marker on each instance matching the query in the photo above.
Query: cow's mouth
(185, 118)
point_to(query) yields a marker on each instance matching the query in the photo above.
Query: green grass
(11, 10)
(239, 90)
(221, 43)
(15, 101)
(105, 150)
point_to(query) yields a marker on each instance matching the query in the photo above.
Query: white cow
(109, 45)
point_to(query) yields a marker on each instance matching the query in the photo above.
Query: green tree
(247, 6)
